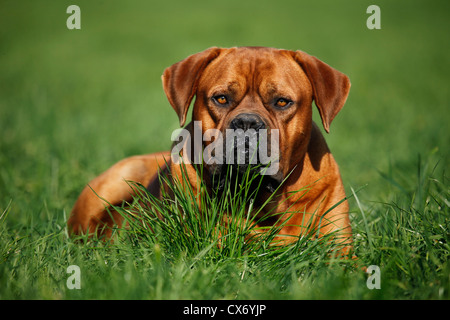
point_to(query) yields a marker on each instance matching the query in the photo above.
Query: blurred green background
(73, 102)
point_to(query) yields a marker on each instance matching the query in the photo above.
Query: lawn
(73, 102)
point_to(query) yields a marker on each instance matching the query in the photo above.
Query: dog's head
(261, 92)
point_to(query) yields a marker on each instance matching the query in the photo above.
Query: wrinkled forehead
(253, 69)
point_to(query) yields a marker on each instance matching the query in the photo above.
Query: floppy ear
(330, 87)
(181, 79)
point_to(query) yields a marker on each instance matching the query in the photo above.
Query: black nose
(247, 121)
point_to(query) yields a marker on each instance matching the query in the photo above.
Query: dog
(244, 88)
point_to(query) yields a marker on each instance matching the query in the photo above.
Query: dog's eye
(282, 103)
(221, 99)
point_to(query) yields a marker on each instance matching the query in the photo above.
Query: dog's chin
(221, 174)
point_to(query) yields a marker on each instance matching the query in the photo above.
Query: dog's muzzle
(247, 147)
(243, 141)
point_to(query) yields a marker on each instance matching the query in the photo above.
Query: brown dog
(245, 88)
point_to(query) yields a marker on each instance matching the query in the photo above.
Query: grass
(73, 103)
(215, 225)
(178, 257)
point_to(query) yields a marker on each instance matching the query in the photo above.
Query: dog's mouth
(243, 151)
(237, 176)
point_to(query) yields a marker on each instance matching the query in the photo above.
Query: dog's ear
(181, 79)
(330, 87)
